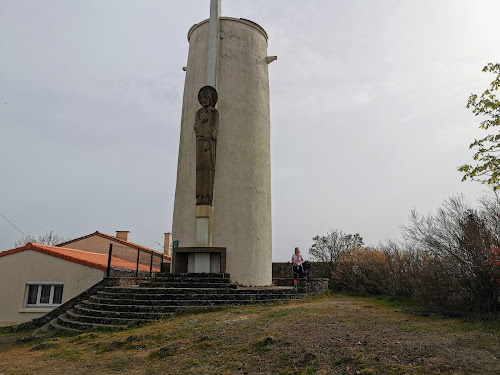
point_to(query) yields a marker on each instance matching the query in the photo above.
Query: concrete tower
(241, 217)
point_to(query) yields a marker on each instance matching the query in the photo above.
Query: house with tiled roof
(34, 279)
(99, 242)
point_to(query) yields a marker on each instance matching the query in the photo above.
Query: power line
(11, 223)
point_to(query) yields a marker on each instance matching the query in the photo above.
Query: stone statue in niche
(205, 128)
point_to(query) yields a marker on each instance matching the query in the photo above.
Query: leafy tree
(328, 248)
(487, 169)
(49, 238)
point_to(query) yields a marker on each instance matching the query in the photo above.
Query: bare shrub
(49, 238)
(362, 269)
(403, 264)
(450, 262)
(387, 270)
(456, 242)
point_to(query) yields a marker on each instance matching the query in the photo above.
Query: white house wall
(27, 266)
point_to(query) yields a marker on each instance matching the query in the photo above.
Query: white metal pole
(213, 42)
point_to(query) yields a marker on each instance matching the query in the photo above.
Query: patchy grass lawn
(336, 334)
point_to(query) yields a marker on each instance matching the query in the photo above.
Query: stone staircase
(159, 297)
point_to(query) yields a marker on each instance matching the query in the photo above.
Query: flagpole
(213, 42)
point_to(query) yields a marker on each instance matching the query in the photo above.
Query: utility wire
(11, 223)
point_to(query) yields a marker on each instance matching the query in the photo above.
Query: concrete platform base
(198, 260)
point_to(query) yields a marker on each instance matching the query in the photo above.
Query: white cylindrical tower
(241, 216)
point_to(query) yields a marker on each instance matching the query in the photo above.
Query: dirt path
(333, 335)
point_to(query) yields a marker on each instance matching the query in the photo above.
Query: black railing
(109, 259)
(141, 260)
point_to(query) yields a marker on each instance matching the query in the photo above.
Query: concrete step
(74, 317)
(198, 280)
(186, 284)
(195, 275)
(114, 307)
(66, 322)
(54, 324)
(46, 327)
(110, 305)
(174, 300)
(191, 294)
(102, 311)
(164, 306)
(185, 291)
(160, 305)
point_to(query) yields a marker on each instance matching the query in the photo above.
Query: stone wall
(310, 285)
(312, 269)
(316, 280)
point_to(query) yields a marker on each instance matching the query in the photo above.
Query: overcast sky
(368, 116)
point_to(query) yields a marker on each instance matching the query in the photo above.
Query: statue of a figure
(205, 128)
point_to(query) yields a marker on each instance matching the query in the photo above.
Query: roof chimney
(122, 235)
(166, 246)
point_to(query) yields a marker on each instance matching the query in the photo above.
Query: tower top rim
(242, 20)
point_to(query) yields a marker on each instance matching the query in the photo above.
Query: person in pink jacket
(297, 261)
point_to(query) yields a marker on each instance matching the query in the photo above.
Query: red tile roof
(95, 260)
(113, 238)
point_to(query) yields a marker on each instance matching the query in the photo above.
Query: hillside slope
(330, 335)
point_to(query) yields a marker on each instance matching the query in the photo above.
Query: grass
(336, 333)
(396, 302)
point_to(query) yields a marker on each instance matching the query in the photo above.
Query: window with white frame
(43, 293)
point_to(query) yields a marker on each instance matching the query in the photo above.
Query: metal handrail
(139, 251)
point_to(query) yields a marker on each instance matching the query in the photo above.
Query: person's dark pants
(297, 273)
